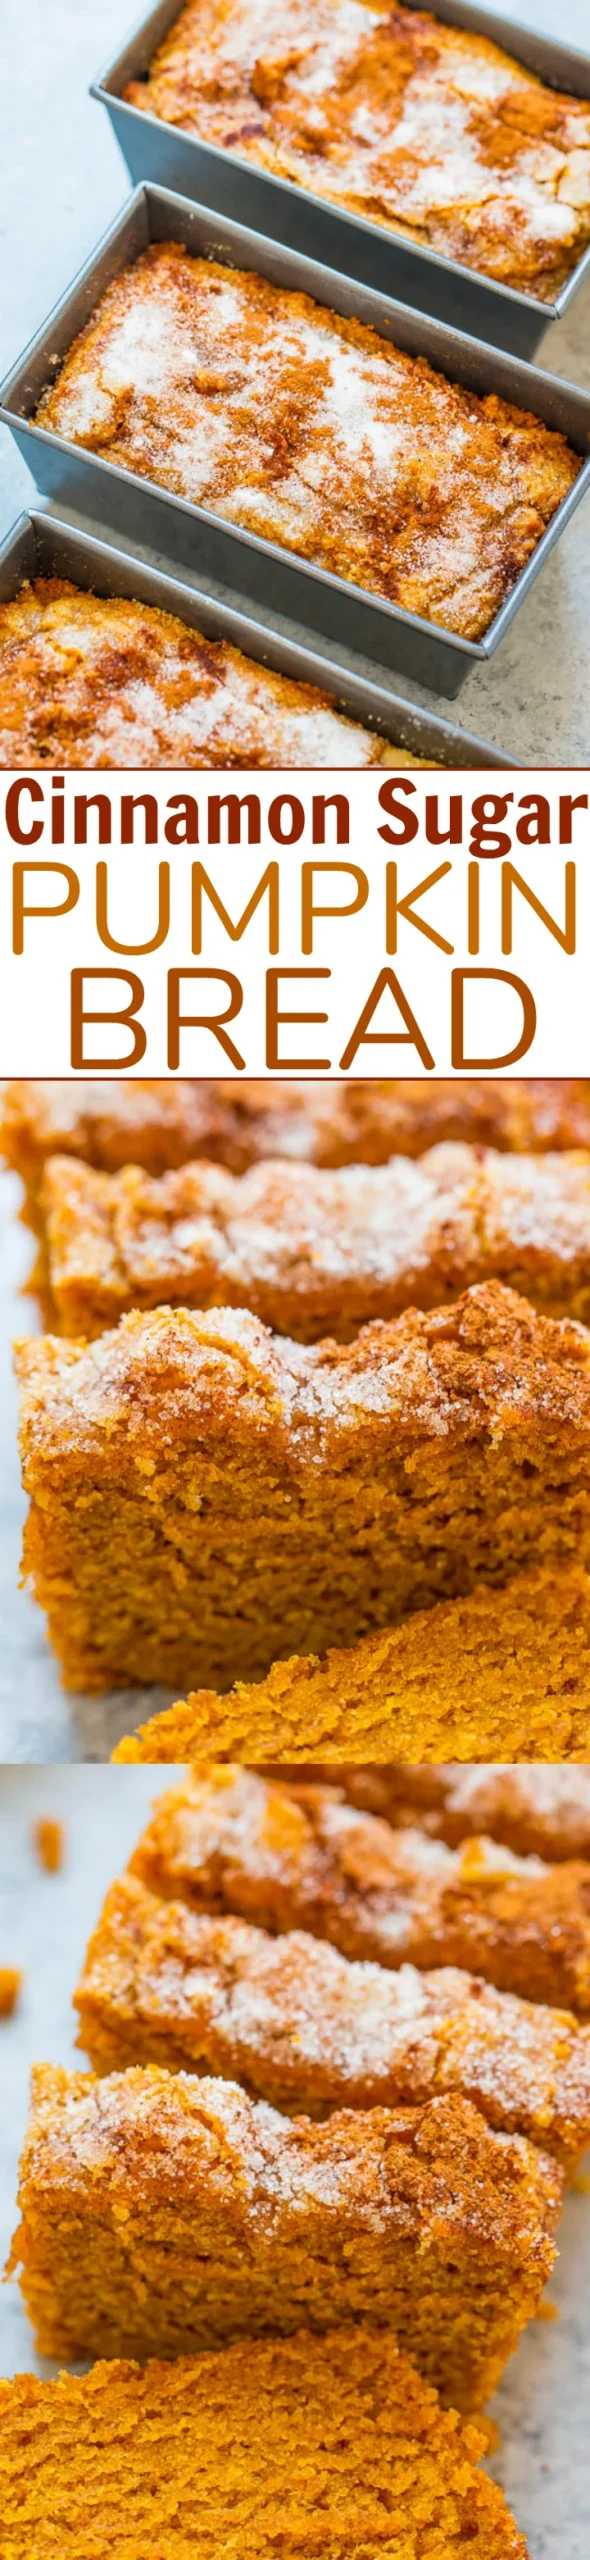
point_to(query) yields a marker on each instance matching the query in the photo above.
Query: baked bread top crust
(488, 1366)
(314, 433)
(162, 1123)
(101, 681)
(389, 113)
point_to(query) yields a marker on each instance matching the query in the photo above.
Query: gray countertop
(541, 2408)
(61, 181)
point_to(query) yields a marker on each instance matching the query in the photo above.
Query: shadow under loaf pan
(90, 680)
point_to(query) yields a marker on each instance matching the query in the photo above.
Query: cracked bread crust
(299, 2026)
(314, 433)
(540, 1810)
(302, 1857)
(162, 2213)
(309, 1251)
(333, 2444)
(207, 1456)
(426, 128)
(162, 1123)
(102, 681)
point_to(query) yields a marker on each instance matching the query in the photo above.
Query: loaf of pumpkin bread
(434, 504)
(92, 681)
(393, 114)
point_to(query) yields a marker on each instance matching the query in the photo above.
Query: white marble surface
(541, 2408)
(61, 181)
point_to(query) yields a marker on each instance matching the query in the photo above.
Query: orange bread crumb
(505, 1670)
(10, 1989)
(165, 2213)
(297, 2024)
(256, 1496)
(49, 1843)
(301, 2445)
(285, 1858)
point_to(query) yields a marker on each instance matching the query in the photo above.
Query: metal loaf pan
(44, 546)
(198, 541)
(300, 220)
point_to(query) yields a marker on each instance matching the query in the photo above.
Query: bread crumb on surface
(10, 1989)
(49, 1843)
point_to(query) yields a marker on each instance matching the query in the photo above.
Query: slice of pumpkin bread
(505, 1670)
(161, 2213)
(299, 2025)
(303, 2446)
(162, 1122)
(533, 1809)
(303, 1858)
(257, 1497)
(311, 1251)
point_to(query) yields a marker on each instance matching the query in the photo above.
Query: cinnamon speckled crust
(161, 1124)
(99, 680)
(543, 1811)
(208, 1458)
(312, 1251)
(426, 128)
(313, 433)
(300, 2026)
(163, 2213)
(500, 1670)
(289, 1857)
(300, 2445)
